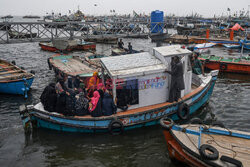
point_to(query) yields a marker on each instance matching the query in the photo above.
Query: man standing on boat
(120, 44)
(177, 81)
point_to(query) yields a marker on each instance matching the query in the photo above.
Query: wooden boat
(234, 65)
(144, 81)
(231, 46)
(115, 51)
(14, 80)
(18, 35)
(245, 43)
(84, 46)
(67, 65)
(105, 40)
(206, 146)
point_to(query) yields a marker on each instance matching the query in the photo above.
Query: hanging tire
(32, 72)
(116, 127)
(166, 123)
(13, 62)
(183, 108)
(214, 152)
(196, 121)
(227, 159)
(207, 61)
(223, 66)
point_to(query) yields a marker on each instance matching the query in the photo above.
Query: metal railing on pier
(19, 32)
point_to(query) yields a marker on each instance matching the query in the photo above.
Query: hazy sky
(178, 7)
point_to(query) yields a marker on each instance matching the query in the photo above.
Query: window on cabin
(127, 93)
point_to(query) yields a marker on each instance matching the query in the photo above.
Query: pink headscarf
(101, 86)
(94, 100)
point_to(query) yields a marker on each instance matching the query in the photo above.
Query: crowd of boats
(131, 89)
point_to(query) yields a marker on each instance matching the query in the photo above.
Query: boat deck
(234, 147)
(9, 72)
(71, 65)
(228, 59)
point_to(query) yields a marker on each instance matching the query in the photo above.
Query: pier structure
(20, 32)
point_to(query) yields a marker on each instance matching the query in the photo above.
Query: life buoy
(116, 127)
(214, 152)
(231, 160)
(167, 123)
(183, 111)
(223, 66)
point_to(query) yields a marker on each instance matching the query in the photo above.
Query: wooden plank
(10, 72)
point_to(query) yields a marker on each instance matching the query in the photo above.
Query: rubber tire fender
(196, 121)
(223, 66)
(183, 107)
(231, 160)
(213, 156)
(112, 125)
(166, 123)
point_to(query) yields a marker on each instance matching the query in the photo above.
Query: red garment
(94, 100)
(237, 27)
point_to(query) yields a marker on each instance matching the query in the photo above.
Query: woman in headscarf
(92, 84)
(61, 96)
(95, 105)
(82, 105)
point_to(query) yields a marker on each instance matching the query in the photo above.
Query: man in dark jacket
(108, 105)
(177, 81)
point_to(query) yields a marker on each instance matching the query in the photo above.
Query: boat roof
(131, 65)
(172, 50)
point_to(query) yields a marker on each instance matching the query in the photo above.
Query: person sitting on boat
(76, 82)
(81, 105)
(177, 81)
(120, 44)
(92, 84)
(49, 97)
(197, 67)
(69, 83)
(130, 48)
(95, 105)
(108, 105)
(61, 96)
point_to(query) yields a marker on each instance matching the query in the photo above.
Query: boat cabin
(139, 80)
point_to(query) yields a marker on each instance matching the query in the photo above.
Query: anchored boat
(205, 145)
(138, 81)
(233, 65)
(14, 80)
(73, 45)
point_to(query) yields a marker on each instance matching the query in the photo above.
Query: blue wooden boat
(245, 43)
(231, 46)
(147, 103)
(14, 80)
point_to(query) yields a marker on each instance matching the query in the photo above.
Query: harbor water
(142, 147)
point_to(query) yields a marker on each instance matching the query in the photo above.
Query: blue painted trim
(15, 87)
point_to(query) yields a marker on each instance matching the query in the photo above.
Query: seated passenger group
(70, 97)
